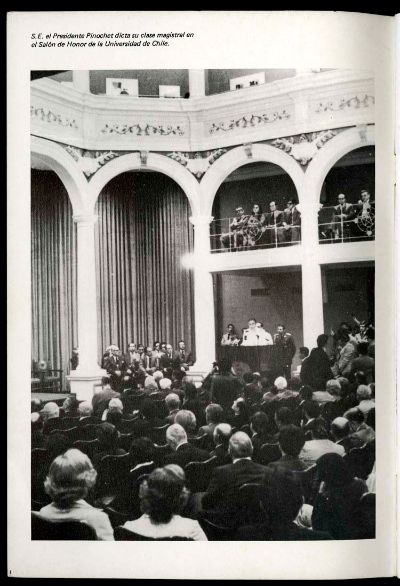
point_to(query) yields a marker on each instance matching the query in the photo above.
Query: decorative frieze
(90, 161)
(340, 104)
(197, 163)
(46, 115)
(304, 147)
(249, 121)
(142, 129)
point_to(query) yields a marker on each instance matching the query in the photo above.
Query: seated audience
(240, 414)
(70, 407)
(173, 404)
(107, 437)
(192, 402)
(182, 451)
(261, 431)
(187, 420)
(38, 440)
(364, 396)
(220, 500)
(331, 392)
(51, 417)
(222, 435)
(319, 445)
(341, 433)
(141, 451)
(163, 496)
(359, 428)
(70, 478)
(214, 415)
(283, 501)
(291, 441)
(85, 412)
(338, 497)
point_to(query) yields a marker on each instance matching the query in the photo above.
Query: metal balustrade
(252, 234)
(357, 224)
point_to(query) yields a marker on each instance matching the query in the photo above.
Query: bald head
(222, 433)
(240, 445)
(175, 436)
(340, 428)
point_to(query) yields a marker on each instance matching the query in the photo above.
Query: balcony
(356, 225)
(229, 235)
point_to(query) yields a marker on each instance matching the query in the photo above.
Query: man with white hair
(364, 396)
(51, 417)
(221, 437)
(331, 393)
(173, 404)
(86, 416)
(165, 384)
(341, 432)
(220, 500)
(182, 451)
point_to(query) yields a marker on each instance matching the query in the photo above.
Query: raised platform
(58, 398)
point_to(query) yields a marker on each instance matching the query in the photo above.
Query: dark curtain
(145, 294)
(53, 269)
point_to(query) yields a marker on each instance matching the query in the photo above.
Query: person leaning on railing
(235, 237)
(343, 213)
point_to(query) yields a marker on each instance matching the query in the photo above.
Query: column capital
(85, 218)
(201, 220)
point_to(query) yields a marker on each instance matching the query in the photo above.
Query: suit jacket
(131, 360)
(347, 211)
(292, 217)
(185, 358)
(167, 361)
(273, 218)
(225, 482)
(225, 388)
(316, 370)
(113, 363)
(149, 361)
(288, 463)
(285, 347)
(347, 353)
(186, 453)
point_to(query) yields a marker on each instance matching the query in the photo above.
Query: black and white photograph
(202, 311)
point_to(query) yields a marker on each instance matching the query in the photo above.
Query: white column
(197, 83)
(313, 310)
(203, 296)
(88, 372)
(81, 81)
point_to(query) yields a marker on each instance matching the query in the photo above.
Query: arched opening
(143, 231)
(239, 225)
(53, 281)
(347, 199)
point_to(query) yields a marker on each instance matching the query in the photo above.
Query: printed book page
(291, 112)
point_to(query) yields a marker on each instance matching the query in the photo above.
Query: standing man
(291, 222)
(285, 349)
(343, 213)
(275, 233)
(132, 356)
(235, 237)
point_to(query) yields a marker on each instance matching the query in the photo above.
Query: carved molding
(90, 161)
(46, 115)
(250, 121)
(142, 130)
(143, 157)
(248, 149)
(197, 163)
(354, 103)
(304, 147)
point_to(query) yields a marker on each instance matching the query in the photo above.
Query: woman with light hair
(163, 496)
(70, 478)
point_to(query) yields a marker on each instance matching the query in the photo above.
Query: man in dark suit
(273, 228)
(182, 357)
(341, 432)
(131, 357)
(291, 222)
(343, 214)
(221, 437)
(220, 500)
(316, 370)
(182, 451)
(285, 349)
(167, 360)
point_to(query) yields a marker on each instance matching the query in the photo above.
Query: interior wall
(261, 190)
(282, 302)
(347, 292)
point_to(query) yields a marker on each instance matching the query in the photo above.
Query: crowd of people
(248, 457)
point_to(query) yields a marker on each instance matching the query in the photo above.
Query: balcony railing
(251, 235)
(355, 224)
